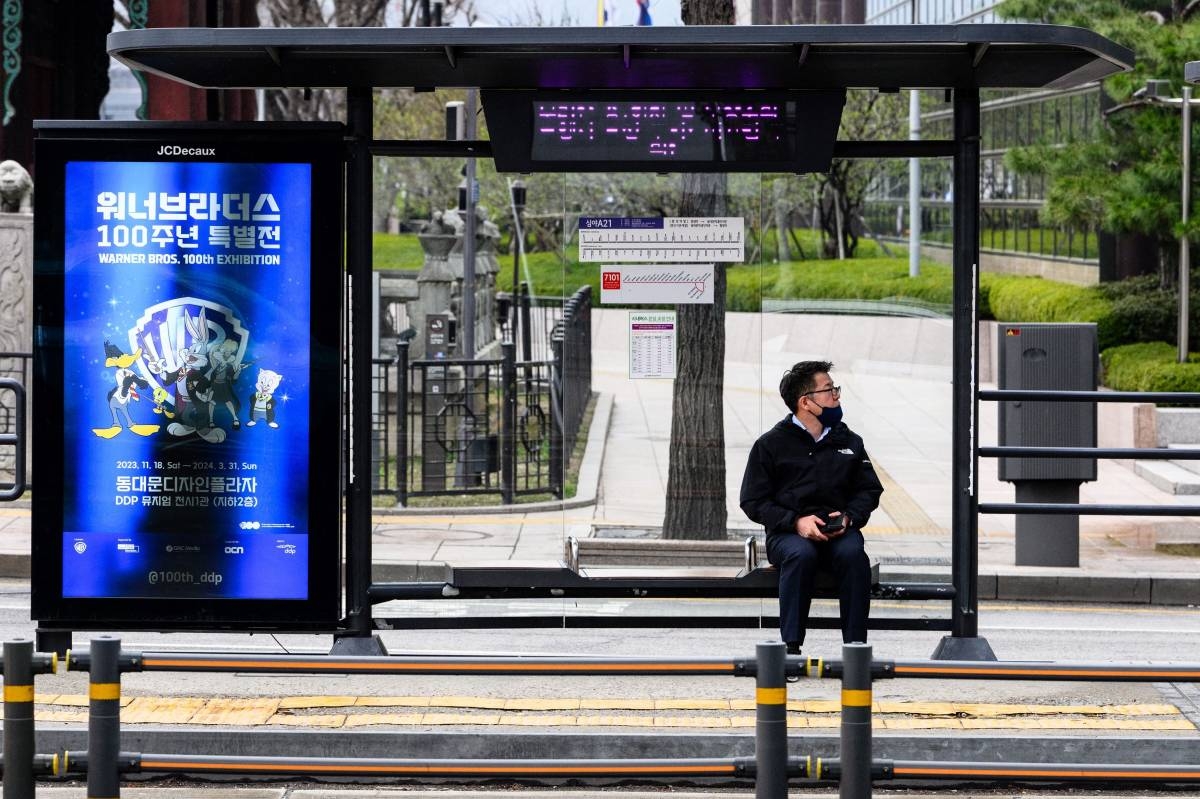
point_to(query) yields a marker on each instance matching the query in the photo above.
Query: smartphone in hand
(835, 525)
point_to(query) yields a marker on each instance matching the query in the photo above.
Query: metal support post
(964, 643)
(402, 422)
(358, 639)
(58, 641)
(18, 719)
(508, 426)
(1185, 256)
(914, 186)
(770, 731)
(466, 325)
(104, 719)
(557, 418)
(855, 758)
(526, 334)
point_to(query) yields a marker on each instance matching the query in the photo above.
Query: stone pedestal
(435, 286)
(16, 329)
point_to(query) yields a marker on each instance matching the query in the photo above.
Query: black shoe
(793, 647)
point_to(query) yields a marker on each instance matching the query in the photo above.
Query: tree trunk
(696, 472)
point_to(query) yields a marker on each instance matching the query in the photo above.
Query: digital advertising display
(189, 381)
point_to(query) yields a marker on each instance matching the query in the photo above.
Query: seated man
(809, 482)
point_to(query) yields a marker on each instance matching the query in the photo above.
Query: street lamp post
(1152, 93)
(517, 192)
(1191, 74)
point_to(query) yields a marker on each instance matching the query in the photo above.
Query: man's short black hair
(801, 379)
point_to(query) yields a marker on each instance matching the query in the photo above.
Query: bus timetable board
(189, 381)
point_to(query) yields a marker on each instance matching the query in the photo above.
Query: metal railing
(1092, 509)
(771, 767)
(14, 377)
(856, 767)
(487, 426)
(104, 763)
(12, 434)
(1011, 227)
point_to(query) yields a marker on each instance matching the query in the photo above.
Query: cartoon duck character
(124, 392)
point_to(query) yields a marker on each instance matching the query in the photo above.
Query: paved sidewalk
(897, 395)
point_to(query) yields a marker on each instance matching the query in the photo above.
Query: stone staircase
(1180, 477)
(1175, 428)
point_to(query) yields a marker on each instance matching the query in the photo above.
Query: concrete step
(1189, 464)
(1168, 476)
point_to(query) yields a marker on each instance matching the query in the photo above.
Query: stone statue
(16, 189)
(437, 226)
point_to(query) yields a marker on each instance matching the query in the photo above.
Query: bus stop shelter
(962, 60)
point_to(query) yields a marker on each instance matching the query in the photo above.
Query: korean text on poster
(186, 374)
(677, 240)
(652, 337)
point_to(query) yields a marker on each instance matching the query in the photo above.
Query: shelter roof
(690, 57)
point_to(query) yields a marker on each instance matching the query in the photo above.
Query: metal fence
(487, 426)
(1012, 227)
(13, 366)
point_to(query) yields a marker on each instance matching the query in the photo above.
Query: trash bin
(1058, 357)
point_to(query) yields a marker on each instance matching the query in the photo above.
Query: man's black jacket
(788, 475)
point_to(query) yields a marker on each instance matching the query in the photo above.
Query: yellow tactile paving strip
(901, 508)
(468, 711)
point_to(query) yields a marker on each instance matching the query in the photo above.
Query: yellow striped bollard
(855, 757)
(770, 745)
(104, 719)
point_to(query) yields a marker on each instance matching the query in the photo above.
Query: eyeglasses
(837, 392)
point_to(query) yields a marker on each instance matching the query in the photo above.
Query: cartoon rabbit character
(194, 364)
(262, 401)
(124, 392)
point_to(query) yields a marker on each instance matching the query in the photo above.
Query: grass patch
(392, 251)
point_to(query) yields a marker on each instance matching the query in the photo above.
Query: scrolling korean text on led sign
(664, 131)
(668, 131)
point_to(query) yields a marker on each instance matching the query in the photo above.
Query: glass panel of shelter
(527, 293)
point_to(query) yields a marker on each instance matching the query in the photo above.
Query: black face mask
(828, 417)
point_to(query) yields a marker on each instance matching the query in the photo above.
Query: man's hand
(812, 527)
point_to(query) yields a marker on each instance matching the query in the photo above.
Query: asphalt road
(1016, 631)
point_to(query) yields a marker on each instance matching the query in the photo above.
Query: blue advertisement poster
(186, 396)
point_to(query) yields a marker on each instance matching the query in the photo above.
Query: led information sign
(668, 131)
(190, 381)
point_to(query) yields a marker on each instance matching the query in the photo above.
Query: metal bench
(744, 578)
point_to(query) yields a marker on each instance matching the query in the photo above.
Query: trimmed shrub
(1038, 300)
(1148, 366)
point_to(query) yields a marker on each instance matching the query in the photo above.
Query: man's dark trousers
(798, 561)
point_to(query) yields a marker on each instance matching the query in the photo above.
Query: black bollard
(770, 745)
(18, 719)
(104, 719)
(856, 722)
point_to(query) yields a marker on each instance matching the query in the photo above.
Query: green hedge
(1149, 367)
